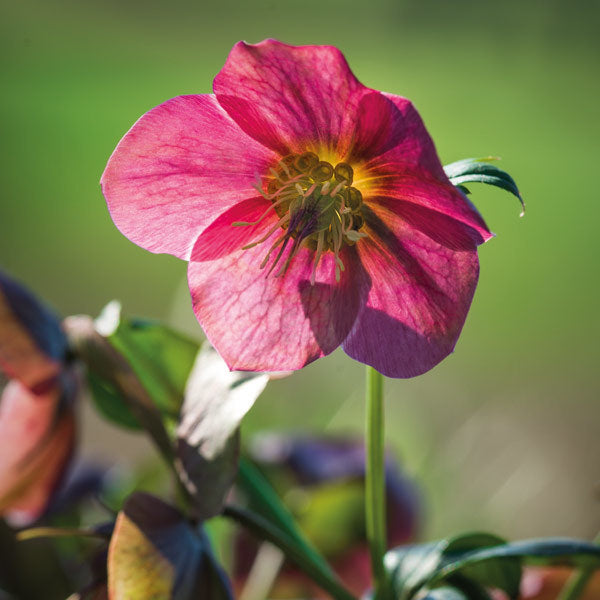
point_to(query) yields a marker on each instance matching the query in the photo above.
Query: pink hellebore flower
(37, 424)
(313, 212)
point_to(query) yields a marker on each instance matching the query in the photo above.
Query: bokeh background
(503, 435)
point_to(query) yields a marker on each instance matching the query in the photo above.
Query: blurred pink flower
(37, 424)
(313, 212)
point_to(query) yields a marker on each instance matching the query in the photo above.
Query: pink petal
(268, 323)
(419, 299)
(178, 168)
(390, 129)
(290, 98)
(37, 441)
(393, 180)
(222, 237)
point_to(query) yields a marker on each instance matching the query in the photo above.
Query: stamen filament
(271, 231)
(320, 242)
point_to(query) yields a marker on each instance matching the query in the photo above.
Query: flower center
(317, 208)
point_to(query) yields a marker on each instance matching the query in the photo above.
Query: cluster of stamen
(317, 207)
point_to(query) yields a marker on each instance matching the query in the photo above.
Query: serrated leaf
(154, 553)
(161, 357)
(479, 170)
(216, 400)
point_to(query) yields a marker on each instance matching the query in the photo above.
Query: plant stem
(575, 585)
(263, 529)
(375, 511)
(37, 532)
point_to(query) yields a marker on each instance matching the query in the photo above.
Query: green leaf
(544, 551)
(154, 553)
(414, 567)
(160, 357)
(472, 562)
(445, 593)
(216, 400)
(481, 171)
(110, 403)
(410, 568)
(504, 574)
(264, 500)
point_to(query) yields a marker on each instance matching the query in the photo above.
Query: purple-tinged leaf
(155, 554)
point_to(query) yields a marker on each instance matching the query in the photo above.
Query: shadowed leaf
(216, 401)
(155, 554)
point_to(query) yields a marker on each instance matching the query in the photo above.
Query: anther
(354, 198)
(305, 162)
(344, 173)
(322, 171)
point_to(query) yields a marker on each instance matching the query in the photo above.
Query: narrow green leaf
(320, 573)
(538, 551)
(460, 167)
(479, 170)
(265, 500)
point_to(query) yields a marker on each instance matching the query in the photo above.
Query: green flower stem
(577, 582)
(38, 532)
(263, 529)
(375, 481)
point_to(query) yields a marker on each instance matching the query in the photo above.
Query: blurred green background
(504, 434)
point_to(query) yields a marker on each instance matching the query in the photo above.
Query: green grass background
(504, 434)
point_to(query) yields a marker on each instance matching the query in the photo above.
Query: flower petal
(393, 180)
(32, 343)
(419, 299)
(261, 322)
(222, 237)
(390, 129)
(290, 98)
(37, 442)
(177, 168)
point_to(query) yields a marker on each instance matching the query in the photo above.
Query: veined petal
(32, 344)
(37, 442)
(222, 237)
(419, 187)
(177, 169)
(261, 322)
(419, 299)
(390, 129)
(291, 98)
